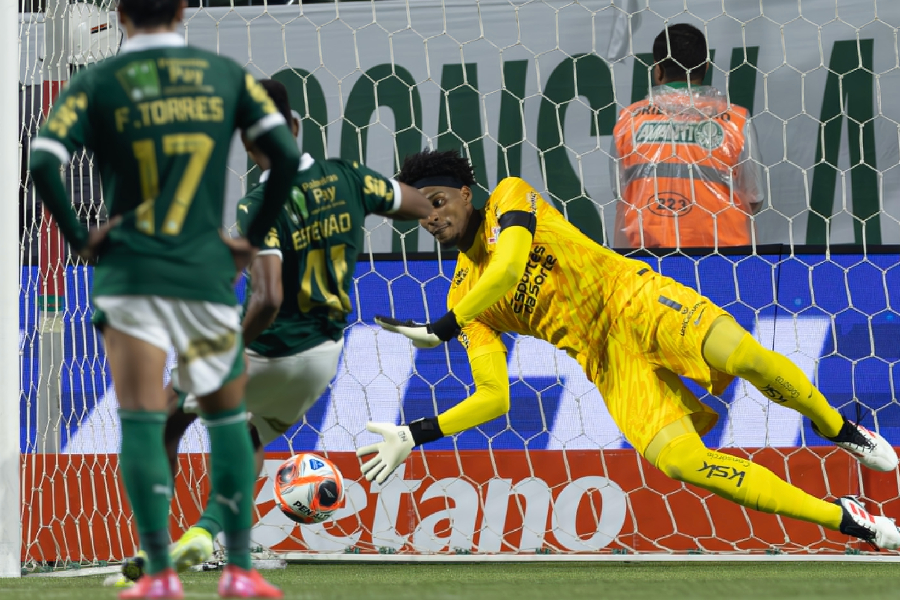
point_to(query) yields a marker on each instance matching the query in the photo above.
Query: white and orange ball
(309, 488)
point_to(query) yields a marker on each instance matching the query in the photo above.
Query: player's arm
(64, 132)
(385, 196)
(505, 269)
(487, 358)
(414, 206)
(266, 291)
(265, 127)
(267, 295)
(517, 222)
(490, 400)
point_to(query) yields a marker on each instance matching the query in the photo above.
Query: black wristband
(446, 328)
(425, 430)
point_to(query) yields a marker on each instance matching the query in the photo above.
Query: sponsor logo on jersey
(459, 277)
(723, 471)
(316, 183)
(378, 187)
(709, 135)
(140, 80)
(495, 233)
(532, 202)
(298, 201)
(687, 316)
(271, 240)
(464, 340)
(537, 271)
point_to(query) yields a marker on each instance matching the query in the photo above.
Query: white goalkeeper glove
(389, 454)
(423, 335)
(398, 443)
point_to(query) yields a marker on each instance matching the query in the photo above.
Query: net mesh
(530, 89)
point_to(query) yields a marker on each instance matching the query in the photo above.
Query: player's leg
(279, 392)
(196, 545)
(136, 344)
(663, 420)
(678, 451)
(231, 465)
(233, 474)
(177, 425)
(137, 368)
(729, 348)
(684, 332)
(207, 340)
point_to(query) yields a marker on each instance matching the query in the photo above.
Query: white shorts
(281, 390)
(206, 336)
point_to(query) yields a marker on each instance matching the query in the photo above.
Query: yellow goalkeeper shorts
(657, 339)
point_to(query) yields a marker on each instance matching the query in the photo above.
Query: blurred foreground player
(523, 268)
(296, 311)
(159, 118)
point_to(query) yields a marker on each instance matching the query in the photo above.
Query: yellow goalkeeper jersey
(571, 291)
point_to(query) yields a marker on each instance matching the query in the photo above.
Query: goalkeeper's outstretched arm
(503, 272)
(490, 400)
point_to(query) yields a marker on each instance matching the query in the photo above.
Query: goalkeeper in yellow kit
(523, 268)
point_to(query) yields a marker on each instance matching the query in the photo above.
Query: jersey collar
(306, 161)
(147, 41)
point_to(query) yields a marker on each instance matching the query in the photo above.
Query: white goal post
(530, 89)
(10, 276)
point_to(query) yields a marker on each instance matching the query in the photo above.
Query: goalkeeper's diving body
(296, 311)
(523, 268)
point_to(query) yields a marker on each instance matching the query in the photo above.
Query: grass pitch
(528, 581)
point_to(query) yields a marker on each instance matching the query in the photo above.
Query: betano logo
(479, 516)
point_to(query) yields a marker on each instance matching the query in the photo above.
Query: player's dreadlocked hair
(429, 164)
(681, 51)
(150, 13)
(279, 95)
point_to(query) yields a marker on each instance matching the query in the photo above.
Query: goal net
(529, 89)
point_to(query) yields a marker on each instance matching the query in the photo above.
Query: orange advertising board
(468, 502)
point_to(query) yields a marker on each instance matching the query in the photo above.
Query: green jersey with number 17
(160, 117)
(318, 236)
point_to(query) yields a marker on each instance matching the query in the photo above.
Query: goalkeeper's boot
(877, 530)
(869, 448)
(239, 583)
(194, 548)
(133, 568)
(164, 585)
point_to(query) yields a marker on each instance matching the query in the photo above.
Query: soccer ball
(309, 488)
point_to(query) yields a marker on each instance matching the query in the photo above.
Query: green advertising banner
(534, 90)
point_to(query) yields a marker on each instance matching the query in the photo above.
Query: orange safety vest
(678, 154)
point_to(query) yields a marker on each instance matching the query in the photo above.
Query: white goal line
(299, 557)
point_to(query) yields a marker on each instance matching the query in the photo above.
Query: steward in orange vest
(686, 168)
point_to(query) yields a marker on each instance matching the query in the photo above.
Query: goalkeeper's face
(450, 214)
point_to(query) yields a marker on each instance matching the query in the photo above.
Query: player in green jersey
(296, 311)
(159, 118)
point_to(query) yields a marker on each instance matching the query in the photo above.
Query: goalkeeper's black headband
(439, 180)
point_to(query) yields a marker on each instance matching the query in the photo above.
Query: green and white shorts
(206, 336)
(281, 390)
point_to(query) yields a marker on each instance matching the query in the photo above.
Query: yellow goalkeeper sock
(729, 348)
(685, 458)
